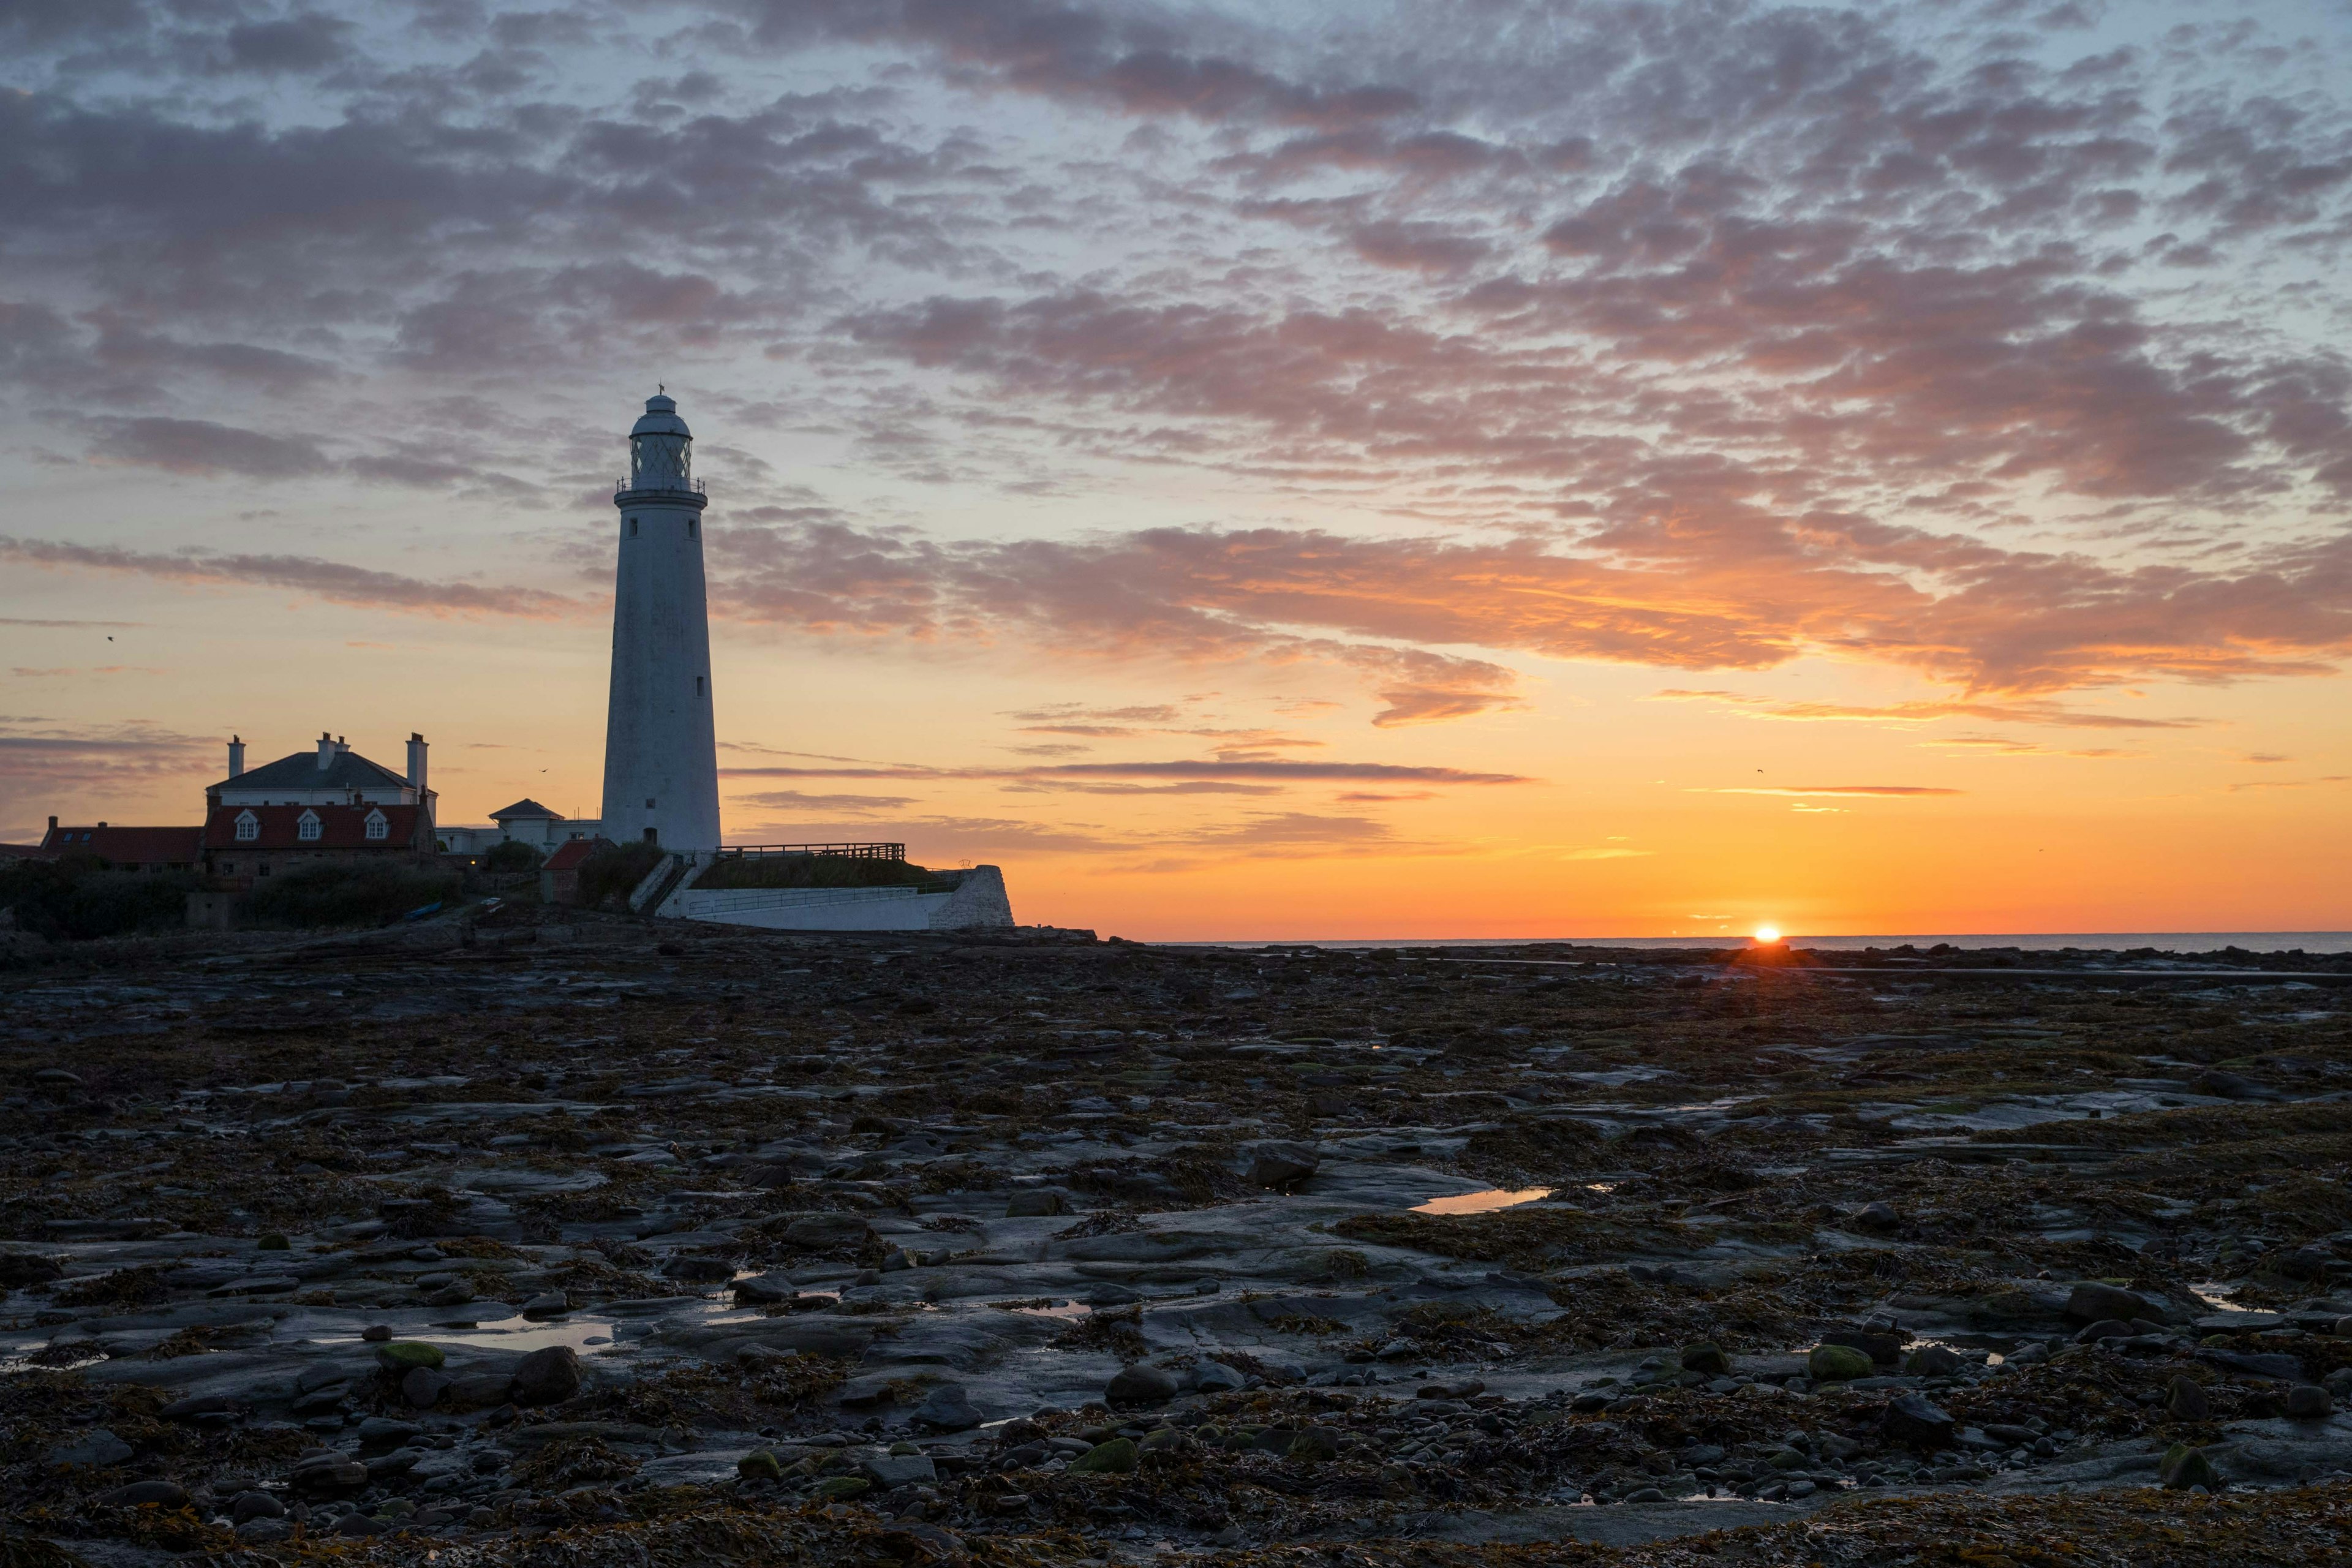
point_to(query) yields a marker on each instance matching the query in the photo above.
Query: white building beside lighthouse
(661, 746)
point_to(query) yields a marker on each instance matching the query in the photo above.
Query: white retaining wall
(978, 902)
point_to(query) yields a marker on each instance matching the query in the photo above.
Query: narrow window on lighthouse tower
(691, 524)
(633, 528)
(698, 684)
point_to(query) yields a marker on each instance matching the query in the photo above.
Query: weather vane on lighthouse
(661, 747)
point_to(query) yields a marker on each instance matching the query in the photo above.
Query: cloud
(1241, 769)
(1922, 712)
(2002, 746)
(330, 581)
(72, 767)
(1699, 337)
(1891, 791)
(202, 447)
(793, 800)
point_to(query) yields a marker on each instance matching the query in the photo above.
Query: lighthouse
(661, 747)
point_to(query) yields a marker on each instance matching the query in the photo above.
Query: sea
(2309, 941)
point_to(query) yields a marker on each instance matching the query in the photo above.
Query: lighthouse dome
(660, 418)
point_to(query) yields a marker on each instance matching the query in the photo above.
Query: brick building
(124, 848)
(243, 843)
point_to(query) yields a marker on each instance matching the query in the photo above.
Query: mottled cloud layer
(1998, 345)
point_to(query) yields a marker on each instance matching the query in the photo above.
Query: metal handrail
(843, 851)
(692, 486)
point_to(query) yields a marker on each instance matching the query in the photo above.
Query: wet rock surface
(697, 1244)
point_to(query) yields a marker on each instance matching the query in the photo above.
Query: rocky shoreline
(515, 1239)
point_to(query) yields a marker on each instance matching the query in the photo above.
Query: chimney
(326, 751)
(341, 745)
(236, 755)
(416, 762)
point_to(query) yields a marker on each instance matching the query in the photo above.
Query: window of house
(306, 827)
(377, 828)
(265, 868)
(227, 868)
(249, 827)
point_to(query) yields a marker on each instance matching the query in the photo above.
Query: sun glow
(1767, 935)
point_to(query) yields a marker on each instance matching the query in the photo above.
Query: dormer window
(377, 827)
(249, 827)
(307, 828)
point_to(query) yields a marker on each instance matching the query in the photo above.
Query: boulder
(548, 1304)
(1035, 1203)
(328, 1474)
(1314, 1444)
(2309, 1402)
(423, 1386)
(265, 1532)
(840, 1488)
(1882, 1346)
(2093, 1302)
(1914, 1423)
(2105, 1329)
(546, 1376)
(2263, 1363)
(1140, 1385)
(255, 1504)
(1837, 1363)
(384, 1432)
(829, 1232)
(864, 1393)
(199, 1409)
(98, 1447)
(475, 1390)
(403, 1357)
(1932, 1360)
(1118, 1457)
(2183, 1467)
(1282, 1165)
(759, 1465)
(142, 1494)
(887, 1471)
(764, 1290)
(2185, 1400)
(1210, 1376)
(947, 1408)
(1706, 1359)
(1877, 1216)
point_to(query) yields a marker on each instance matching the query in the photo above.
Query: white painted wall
(661, 743)
(978, 902)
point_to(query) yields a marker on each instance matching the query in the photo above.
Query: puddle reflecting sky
(587, 1335)
(1487, 1201)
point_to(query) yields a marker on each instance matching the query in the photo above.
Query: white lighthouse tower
(661, 748)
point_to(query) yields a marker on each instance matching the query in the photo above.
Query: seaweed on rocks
(949, 1249)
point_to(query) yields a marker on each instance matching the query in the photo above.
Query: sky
(1269, 470)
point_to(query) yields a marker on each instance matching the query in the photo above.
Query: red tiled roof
(568, 854)
(126, 846)
(340, 827)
